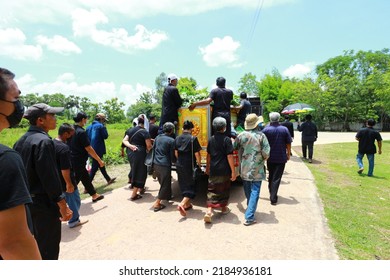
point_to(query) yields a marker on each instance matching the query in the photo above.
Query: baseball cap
(172, 77)
(41, 109)
(101, 116)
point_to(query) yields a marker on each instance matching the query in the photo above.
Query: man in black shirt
(245, 109)
(289, 125)
(66, 173)
(222, 98)
(171, 102)
(153, 127)
(366, 138)
(16, 240)
(49, 206)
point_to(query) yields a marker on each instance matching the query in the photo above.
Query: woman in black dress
(187, 151)
(138, 143)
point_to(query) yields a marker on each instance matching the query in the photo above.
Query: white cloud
(50, 11)
(66, 77)
(85, 25)
(130, 94)
(299, 70)
(58, 44)
(95, 91)
(221, 52)
(13, 44)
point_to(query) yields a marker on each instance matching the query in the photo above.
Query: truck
(201, 118)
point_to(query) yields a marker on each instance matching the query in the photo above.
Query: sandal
(227, 211)
(207, 218)
(158, 208)
(189, 207)
(142, 191)
(135, 197)
(182, 210)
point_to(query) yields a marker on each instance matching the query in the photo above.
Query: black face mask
(17, 115)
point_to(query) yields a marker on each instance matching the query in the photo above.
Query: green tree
(349, 80)
(249, 85)
(269, 88)
(30, 99)
(160, 83)
(113, 109)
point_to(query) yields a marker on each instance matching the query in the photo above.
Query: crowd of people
(40, 175)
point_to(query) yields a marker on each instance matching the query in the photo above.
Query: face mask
(17, 115)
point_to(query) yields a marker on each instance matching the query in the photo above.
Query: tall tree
(269, 88)
(114, 110)
(249, 84)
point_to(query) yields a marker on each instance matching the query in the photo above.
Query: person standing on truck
(222, 98)
(245, 109)
(171, 102)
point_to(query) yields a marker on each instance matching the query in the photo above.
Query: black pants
(94, 169)
(82, 175)
(307, 145)
(163, 174)
(275, 172)
(46, 227)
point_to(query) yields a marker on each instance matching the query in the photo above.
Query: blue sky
(103, 49)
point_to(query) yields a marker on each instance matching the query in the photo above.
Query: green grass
(357, 206)
(116, 132)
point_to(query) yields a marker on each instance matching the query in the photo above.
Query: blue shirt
(97, 133)
(278, 137)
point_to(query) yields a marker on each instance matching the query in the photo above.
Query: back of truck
(201, 118)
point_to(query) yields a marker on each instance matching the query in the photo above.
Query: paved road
(295, 229)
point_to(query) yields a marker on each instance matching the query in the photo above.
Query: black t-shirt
(153, 130)
(219, 147)
(63, 161)
(77, 144)
(222, 98)
(37, 151)
(164, 150)
(13, 180)
(367, 137)
(171, 102)
(183, 146)
(137, 136)
(290, 127)
(245, 110)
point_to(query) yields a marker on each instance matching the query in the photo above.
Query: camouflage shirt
(253, 149)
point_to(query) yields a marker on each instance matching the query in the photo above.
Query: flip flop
(100, 197)
(182, 210)
(142, 191)
(227, 211)
(79, 223)
(160, 207)
(135, 197)
(207, 218)
(189, 207)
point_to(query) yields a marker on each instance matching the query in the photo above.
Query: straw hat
(252, 121)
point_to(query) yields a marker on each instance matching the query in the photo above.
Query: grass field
(116, 132)
(357, 206)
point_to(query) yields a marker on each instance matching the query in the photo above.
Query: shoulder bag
(197, 170)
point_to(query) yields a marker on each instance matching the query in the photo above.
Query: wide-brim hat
(252, 121)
